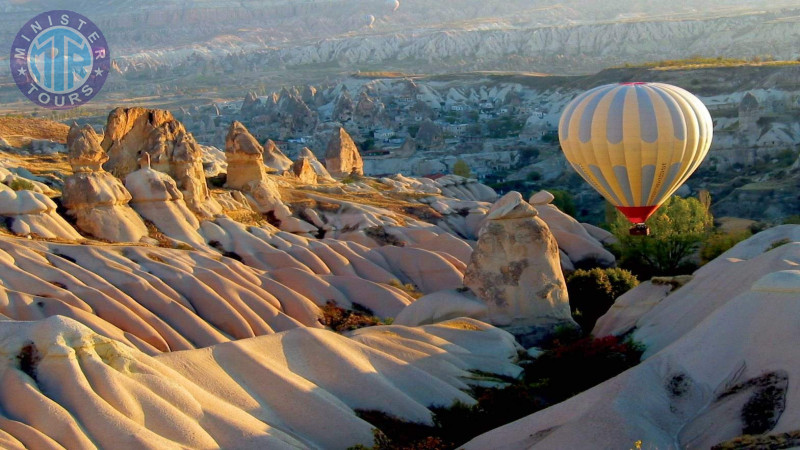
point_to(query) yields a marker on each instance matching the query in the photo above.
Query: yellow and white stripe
(635, 143)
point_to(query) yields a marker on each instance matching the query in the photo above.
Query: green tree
(564, 201)
(461, 168)
(676, 230)
(592, 292)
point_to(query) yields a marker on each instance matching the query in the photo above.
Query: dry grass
(44, 164)
(18, 131)
(247, 217)
(734, 224)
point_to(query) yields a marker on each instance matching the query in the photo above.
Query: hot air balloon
(393, 4)
(635, 143)
(369, 19)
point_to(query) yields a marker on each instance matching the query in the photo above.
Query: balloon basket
(639, 229)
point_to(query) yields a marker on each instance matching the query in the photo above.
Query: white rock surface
(77, 389)
(698, 387)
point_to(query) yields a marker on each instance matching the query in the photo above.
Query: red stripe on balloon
(637, 214)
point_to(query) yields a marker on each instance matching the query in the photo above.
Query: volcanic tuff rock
(133, 131)
(67, 386)
(274, 157)
(720, 363)
(156, 197)
(319, 168)
(245, 157)
(342, 157)
(572, 237)
(515, 269)
(304, 171)
(32, 213)
(96, 199)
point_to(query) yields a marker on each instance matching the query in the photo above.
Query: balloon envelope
(635, 143)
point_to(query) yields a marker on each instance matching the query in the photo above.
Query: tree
(677, 228)
(461, 168)
(592, 292)
(564, 201)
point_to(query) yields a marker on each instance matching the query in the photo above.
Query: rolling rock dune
(721, 362)
(161, 312)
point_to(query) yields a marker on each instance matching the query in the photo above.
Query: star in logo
(21, 71)
(98, 72)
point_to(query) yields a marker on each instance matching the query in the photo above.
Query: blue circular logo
(60, 59)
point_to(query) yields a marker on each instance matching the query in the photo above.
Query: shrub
(408, 288)
(718, 243)
(341, 319)
(592, 292)
(461, 168)
(562, 371)
(21, 184)
(677, 229)
(568, 369)
(564, 201)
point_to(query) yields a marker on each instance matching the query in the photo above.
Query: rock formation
(267, 392)
(274, 157)
(29, 213)
(304, 171)
(430, 135)
(246, 173)
(322, 173)
(96, 199)
(133, 131)
(573, 239)
(713, 371)
(342, 157)
(245, 157)
(156, 197)
(515, 269)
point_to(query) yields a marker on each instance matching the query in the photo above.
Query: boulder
(342, 157)
(515, 270)
(96, 199)
(133, 131)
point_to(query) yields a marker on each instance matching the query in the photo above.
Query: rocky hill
(504, 127)
(718, 371)
(276, 42)
(152, 305)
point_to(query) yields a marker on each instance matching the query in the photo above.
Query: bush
(563, 370)
(677, 228)
(564, 201)
(341, 319)
(718, 243)
(592, 292)
(21, 184)
(568, 369)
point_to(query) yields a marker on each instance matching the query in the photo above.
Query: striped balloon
(635, 143)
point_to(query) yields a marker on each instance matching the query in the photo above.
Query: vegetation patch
(592, 292)
(379, 234)
(790, 439)
(677, 229)
(563, 370)
(409, 288)
(28, 359)
(341, 319)
(21, 184)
